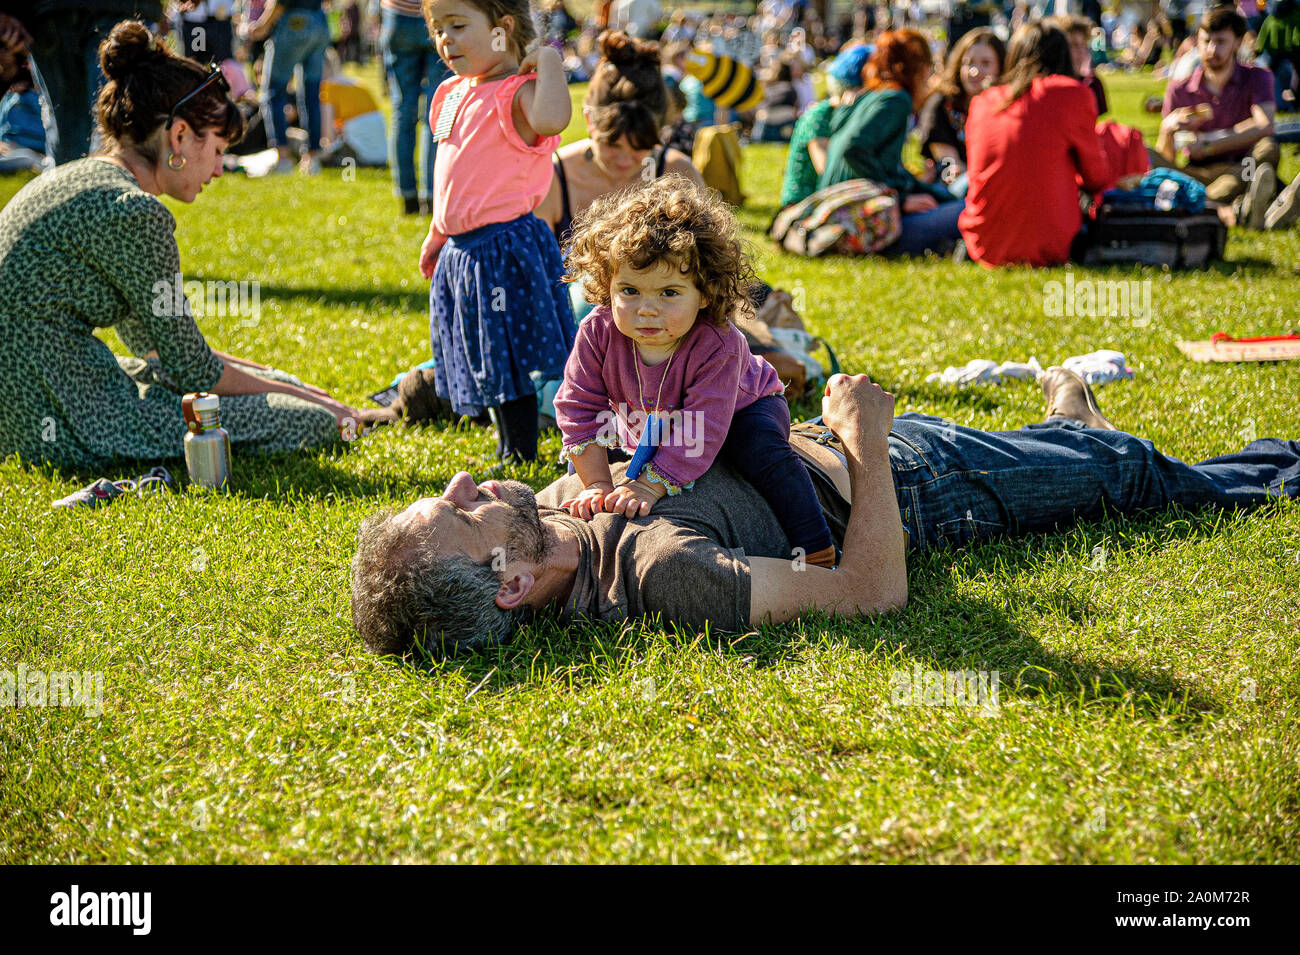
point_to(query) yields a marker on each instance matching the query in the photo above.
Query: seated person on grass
(90, 246)
(353, 127)
(22, 130)
(806, 158)
(1228, 108)
(974, 65)
(1031, 142)
(460, 570)
(867, 137)
(1078, 30)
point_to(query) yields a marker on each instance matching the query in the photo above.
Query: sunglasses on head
(214, 76)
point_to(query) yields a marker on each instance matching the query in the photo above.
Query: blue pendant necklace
(649, 443)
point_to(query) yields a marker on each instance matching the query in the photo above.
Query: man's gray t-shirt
(686, 561)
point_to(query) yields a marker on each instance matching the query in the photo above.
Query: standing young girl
(498, 305)
(658, 366)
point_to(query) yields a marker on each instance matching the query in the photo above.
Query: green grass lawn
(1148, 668)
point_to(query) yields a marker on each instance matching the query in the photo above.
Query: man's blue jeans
(1284, 76)
(957, 484)
(299, 39)
(414, 72)
(933, 231)
(65, 47)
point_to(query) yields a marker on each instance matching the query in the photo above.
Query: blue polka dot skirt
(498, 311)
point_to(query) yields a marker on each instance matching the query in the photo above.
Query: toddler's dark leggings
(516, 422)
(758, 447)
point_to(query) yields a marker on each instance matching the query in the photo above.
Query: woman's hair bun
(627, 92)
(129, 46)
(623, 49)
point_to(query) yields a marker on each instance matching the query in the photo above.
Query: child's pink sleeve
(696, 435)
(582, 409)
(504, 96)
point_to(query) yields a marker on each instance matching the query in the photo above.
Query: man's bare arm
(1242, 136)
(872, 576)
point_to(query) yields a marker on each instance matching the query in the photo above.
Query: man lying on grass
(460, 570)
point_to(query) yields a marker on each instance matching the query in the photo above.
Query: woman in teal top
(801, 175)
(866, 142)
(807, 156)
(88, 245)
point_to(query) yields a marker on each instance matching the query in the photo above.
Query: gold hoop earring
(173, 168)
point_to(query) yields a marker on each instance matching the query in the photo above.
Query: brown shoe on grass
(1069, 396)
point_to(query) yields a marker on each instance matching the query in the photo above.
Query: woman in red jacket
(1031, 144)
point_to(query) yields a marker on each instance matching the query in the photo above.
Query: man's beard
(1218, 66)
(525, 538)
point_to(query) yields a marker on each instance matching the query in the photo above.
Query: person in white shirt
(744, 43)
(637, 17)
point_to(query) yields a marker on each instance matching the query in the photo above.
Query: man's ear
(513, 590)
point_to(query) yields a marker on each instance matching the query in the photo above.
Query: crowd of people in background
(1008, 107)
(844, 83)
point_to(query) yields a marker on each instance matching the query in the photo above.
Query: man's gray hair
(406, 598)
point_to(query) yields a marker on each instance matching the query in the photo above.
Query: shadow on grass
(292, 476)
(1250, 266)
(284, 476)
(288, 477)
(981, 399)
(412, 301)
(1245, 265)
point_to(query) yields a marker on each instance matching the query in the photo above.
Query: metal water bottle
(207, 445)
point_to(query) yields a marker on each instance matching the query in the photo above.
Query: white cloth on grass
(982, 371)
(1100, 367)
(1096, 368)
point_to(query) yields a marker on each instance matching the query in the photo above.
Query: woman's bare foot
(1069, 396)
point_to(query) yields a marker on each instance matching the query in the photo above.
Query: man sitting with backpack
(1218, 127)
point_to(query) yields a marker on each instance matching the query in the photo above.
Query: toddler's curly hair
(668, 220)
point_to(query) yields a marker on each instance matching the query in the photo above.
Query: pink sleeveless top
(484, 172)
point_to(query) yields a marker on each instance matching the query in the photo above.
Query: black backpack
(1175, 239)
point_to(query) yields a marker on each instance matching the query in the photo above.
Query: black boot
(516, 423)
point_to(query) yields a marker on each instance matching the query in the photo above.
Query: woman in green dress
(89, 245)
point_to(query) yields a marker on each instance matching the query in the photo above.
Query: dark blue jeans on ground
(21, 123)
(933, 231)
(299, 39)
(957, 484)
(758, 447)
(1284, 78)
(414, 72)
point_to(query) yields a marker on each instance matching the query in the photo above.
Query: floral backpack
(855, 217)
